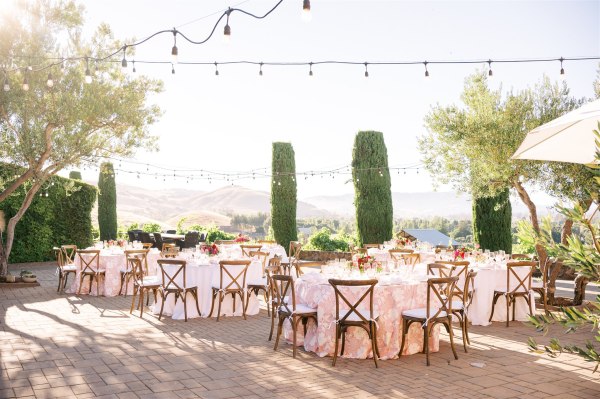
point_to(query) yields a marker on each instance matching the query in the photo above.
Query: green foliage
(492, 222)
(213, 233)
(372, 188)
(180, 228)
(572, 319)
(75, 175)
(323, 240)
(151, 227)
(62, 217)
(527, 238)
(107, 202)
(283, 194)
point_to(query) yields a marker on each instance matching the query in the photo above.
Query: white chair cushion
(125, 270)
(68, 268)
(457, 305)
(421, 313)
(354, 317)
(301, 309)
(537, 284)
(150, 280)
(262, 281)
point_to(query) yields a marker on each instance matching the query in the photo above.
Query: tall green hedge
(372, 188)
(492, 222)
(75, 175)
(283, 194)
(107, 202)
(63, 216)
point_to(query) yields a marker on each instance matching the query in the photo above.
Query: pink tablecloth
(111, 263)
(389, 300)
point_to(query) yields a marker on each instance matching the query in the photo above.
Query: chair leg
(426, 343)
(127, 278)
(91, 282)
(507, 310)
(141, 289)
(121, 285)
(294, 333)
(219, 307)
(451, 335)
(272, 323)
(185, 305)
(133, 299)
(496, 296)
(60, 278)
(405, 326)
(514, 307)
(279, 330)
(233, 297)
(466, 317)
(80, 284)
(244, 304)
(528, 299)
(374, 344)
(343, 333)
(162, 305)
(375, 338)
(337, 341)
(212, 304)
(267, 299)
(65, 280)
(197, 305)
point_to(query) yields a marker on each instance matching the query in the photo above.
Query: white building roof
(431, 236)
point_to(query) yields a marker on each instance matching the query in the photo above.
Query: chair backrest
(367, 246)
(68, 253)
(131, 236)
(169, 275)
(59, 256)
(274, 267)
(232, 274)
(145, 238)
(247, 248)
(141, 253)
(469, 289)
(147, 245)
(134, 263)
(170, 250)
(307, 264)
(438, 270)
(342, 293)
(521, 257)
(263, 257)
(191, 239)
(411, 259)
(281, 284)
(359, 250)
(158, 240)
(224, 242)
(439, 298)
(518, 276)
(460, 269)
(295, 248)
(90, 262)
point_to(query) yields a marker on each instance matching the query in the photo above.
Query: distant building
(431, 236)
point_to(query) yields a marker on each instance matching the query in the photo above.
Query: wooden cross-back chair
(126, 272)
(358, 251)
(142, 284)
(90, 267)
(437, 311)
(248, 248)
(517, 286)
(147, 245)
(170, 284)
(170, 251)
(349, 315)
(293, 259)
(410, 259)
(274, 267)
(69, 252)
(460, 308)
(521, 257)
(224, 242)
(232, 281)
(460, 269)
(63, 269)
(263, 283)
(289, 309)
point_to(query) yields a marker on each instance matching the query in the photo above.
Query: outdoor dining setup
(389, 300)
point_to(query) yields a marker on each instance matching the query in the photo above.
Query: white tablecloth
(383, 255)
(235, 251)
(111, 261)
(201, 273)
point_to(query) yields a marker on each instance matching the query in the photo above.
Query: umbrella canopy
(569, 138)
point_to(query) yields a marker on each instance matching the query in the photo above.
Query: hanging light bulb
(306, 14)
(88, 74)
(426, 70)
(216, 69)
(133, 62)
(227, 29)
(260, 73)
(174, 50)
(562, 70)
(50, 81)
(490, 73)
(172, 69)
(124, 60)
(25, 83)
(6, 84)
(366, 70)
(310, 72)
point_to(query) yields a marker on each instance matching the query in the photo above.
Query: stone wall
(324, 256)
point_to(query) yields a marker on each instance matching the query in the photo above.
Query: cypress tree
(107, 202)
(372, 188)
(492, 222)
(75, 175)
(283, 194)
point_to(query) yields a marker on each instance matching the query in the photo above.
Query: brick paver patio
(55, 346)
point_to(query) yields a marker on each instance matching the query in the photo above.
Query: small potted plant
(28, 277)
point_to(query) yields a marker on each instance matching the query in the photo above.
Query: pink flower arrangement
(242, 238)
(210, 249)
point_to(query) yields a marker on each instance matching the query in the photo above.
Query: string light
(50, 81)
(174, 50)
(366, 70)
(172, 69)
(260, 72)
(426, 70)
(306, 14)
(216, 69)
(490, 73)
(25, 82)
(227, 29)
(6, 84)
(124, 60)
(133, 63)
(562, 70)
(88, 75)
(310, 72)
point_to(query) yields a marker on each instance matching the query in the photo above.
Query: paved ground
(55, 346)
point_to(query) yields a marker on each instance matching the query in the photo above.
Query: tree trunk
(541, 251)
(3, 259)
(553, 270)
(580, 285)
(566, 231)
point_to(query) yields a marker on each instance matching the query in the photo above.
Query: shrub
(322, 240)
(492, 222)
(283, 194)
(372, 187)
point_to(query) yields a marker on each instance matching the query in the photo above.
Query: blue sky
(228, 122)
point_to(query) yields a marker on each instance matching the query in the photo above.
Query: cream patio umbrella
(569, 138)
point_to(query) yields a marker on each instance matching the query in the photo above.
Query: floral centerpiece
(460, 253)
(366, 262)
(403, 242)
(209, 249)
(122, 243)
(242, 238)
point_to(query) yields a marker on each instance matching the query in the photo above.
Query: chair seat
(457, 305)
(94, 272)
(354, 316)
(537, 285)
(259, 282)
(504, 292)
(150, 281)
(421, 313)
(173, 287)
(125, 271)
(69, 268)
(232, 288)
(300, 309)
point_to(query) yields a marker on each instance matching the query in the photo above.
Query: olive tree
(59, 120)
